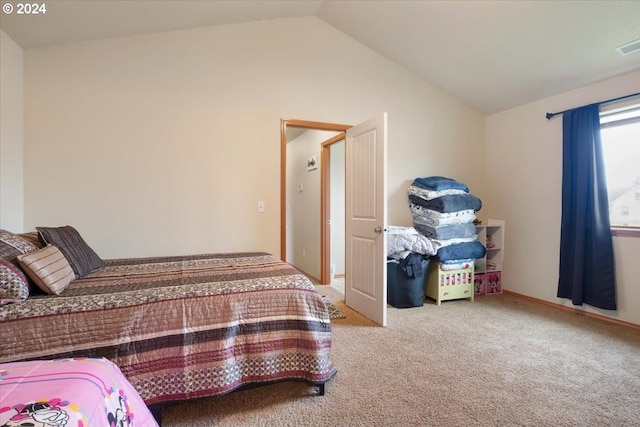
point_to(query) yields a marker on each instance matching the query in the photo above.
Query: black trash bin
(405, 287)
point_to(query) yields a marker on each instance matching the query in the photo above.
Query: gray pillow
(81, 257)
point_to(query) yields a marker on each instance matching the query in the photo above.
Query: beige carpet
(498, 361)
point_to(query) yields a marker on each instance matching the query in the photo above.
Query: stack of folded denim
(444, 211)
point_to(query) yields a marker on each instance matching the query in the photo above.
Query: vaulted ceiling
(492, 55)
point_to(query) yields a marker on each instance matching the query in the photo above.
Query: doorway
(365, 210)
(334, 190)
(291, 250)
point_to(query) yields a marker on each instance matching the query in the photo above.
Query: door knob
(379, 229)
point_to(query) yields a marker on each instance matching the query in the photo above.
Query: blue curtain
(587, 269)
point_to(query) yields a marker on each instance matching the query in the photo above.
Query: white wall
(524, 180)
(303, 206)
(163, 144)
(11, 135)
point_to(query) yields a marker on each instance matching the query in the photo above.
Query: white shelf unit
(488, 270)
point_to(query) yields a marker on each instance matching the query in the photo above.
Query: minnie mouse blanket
(79, 392)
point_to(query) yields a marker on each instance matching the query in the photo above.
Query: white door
(366, 219)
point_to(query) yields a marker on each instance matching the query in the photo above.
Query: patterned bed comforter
(182, 327)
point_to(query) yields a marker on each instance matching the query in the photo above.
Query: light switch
(301, 187)
(260, 205)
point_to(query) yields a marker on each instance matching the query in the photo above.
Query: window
(620, 131)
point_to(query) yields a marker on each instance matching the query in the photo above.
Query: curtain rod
(552, 115)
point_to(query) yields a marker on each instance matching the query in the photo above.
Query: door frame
(324, 251)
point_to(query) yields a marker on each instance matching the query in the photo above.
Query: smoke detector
(628, 48)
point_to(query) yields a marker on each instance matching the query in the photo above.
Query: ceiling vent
(628, 48)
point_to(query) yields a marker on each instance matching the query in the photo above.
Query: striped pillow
(48, 268)
(81, 257)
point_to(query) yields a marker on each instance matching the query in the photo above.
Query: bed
(69, 392)
(181, 327)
